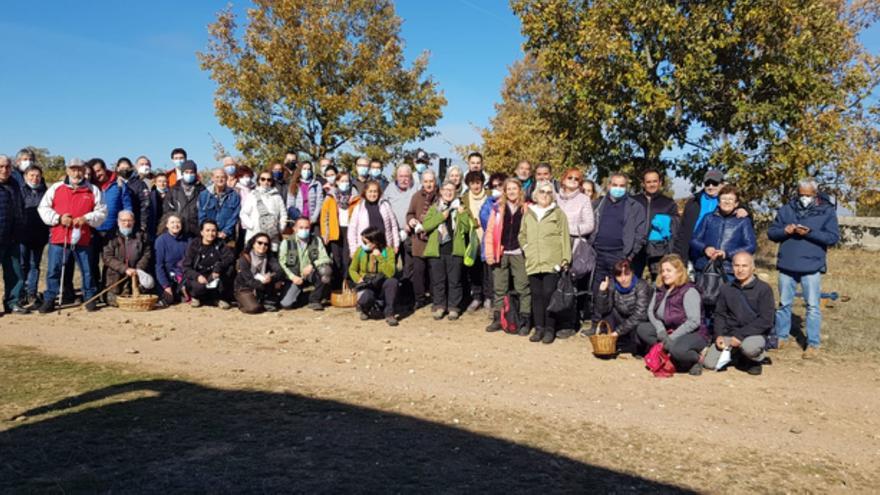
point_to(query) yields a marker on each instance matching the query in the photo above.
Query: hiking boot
(92, 306)
(525, 326)
(47, 307)
(549, 336)
(696, 370)
(474, 305)
(755, 369)
(391, 321)
(18, 310)
(223, 304)
(537, 336)
(453, 315)
(564, 333)
(495, 326)
(316, 306)
(438, 314)
(811, 353)
(195, 303)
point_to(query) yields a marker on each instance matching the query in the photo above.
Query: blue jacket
(727, 233)
(805, 254)
(11, 213)
(485, 213)
(36, 232)
(117, 199)
(223, 210)
(169, 257)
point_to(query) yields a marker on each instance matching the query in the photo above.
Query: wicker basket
(137, 301)
(346, 298)
(604, 344)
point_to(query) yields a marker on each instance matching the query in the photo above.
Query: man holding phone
(804, 229)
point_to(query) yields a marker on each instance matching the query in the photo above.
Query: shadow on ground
(174, 436)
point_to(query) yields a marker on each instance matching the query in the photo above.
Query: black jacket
(11, 212)
(205, 260)
(140, 203)
(744, 311)
(157, 212)
(36, 232)
(631, 307)
(660, 203)
(188, 208)
(244, 277)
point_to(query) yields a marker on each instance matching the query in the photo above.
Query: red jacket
(83, 200)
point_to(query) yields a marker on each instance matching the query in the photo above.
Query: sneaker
(223, 304)
(391, 321)
(195, 303)
(811, 353)
(438, 314)
(696, 370)
(474, 305)
(48, 306)
(755, 369)
(487, 304)
(18, 310)
(453, 315)
(362, 315)
(564, 333)
(92, 306)
(316, 306)
(35, 301)
(549, 336)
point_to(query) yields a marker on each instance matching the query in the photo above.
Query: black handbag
(710, 282)
(563, 298)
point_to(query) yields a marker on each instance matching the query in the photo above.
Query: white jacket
(250, 214)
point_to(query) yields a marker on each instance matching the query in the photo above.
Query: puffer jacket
(545, 242)
(250, 211)
(632, 307)
(177, 202)
(728, 233)
(223, 209)
(316, 199)
(805, 254)
(11, 212)
(205, 260)
(117, 197)
(360, 220)
(578, 210)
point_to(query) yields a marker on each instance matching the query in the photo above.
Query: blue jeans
(31, 256)
(53, 276)
(13, 281)
(811, 285)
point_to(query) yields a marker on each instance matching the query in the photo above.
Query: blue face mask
(421, 167)
(230, 170)
(362, 171)
(617, 192)
(306, 174)
(303, 234)
(177, 163)
(375, 172)
(278, 176)
(344, 186)
(162, 190)
(126, 231)
(189, 178)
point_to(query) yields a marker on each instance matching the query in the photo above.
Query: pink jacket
(360, 220)
(492, 236)
(579, 211)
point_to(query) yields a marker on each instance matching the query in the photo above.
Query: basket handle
(345, 288)
(136, 292)
(601, 324)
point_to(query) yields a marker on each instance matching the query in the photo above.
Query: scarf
(304, 190)
(342, 199)
(258, 263)
(375, 215)
(626, 290)
(475, 203)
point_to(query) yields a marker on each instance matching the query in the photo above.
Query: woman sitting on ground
(207, 268)
(259, 279)
(373, 268)
(675, 316)
(623, 304)
(170, 248)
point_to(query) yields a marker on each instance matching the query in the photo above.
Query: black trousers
(98, 241)
(201, 291)
(605, 261)
(419, 280)
(446, 289)
(542, 286)
(368, 297)
(478, 278)
(338, 251)
(642, 261)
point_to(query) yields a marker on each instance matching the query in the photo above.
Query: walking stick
(63, 267)
(106, 289)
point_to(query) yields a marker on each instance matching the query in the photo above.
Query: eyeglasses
(711, 183)
(572, 177)
(261, 243)
(545, 192)
(265, 179)
(727, 200)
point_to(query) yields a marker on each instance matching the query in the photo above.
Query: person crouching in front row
(623, 302)
(744, 315)
(259, 278)
(305, 262)
(207, 267)
(373, 269)
(124, 255)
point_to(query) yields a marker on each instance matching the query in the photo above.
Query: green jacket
(293, 260)
(362, 264)
(433, 219)
(545, 243)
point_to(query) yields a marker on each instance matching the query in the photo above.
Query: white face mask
(496, 193)
(331, 180)
(245, 181)
(144, 170)
(806, 200)
(24, 164)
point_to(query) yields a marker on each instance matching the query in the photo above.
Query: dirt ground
(800, 427)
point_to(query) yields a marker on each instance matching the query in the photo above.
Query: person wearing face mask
(125, 254)
(170, 247)
(305, 262)
(259, 279)
(361, 173)
(372, 210)
(23, 160)
(619, 232)
(34, 236)
(373, 268)
(245, 182)
(11, 231)
(305, 196)
(231, 168)
(701, 204)
(494, 190)
(139, 192)
(144, 168)
(416, 273)
(804, 228)
(72, 208)
(280, 178)
(158, 192)
(263, 212)
(117, 197)
(523, 173)
(722, 234)
(376, 175)
(334, 220)
(207, 268)
(421, 163)
(183, 198)
(476, 276)
(178, 158)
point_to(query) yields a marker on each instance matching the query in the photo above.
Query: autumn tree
(770, 91)
(319, 76)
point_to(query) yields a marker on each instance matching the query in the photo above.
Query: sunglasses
(572, 177)
(261, 243)
(711, 183)
(265, 179)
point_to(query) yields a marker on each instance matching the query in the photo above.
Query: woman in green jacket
(545, 242)
(373, 268)
(447, 230)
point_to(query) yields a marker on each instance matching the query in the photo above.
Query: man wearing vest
(305, 262)
(72, 209)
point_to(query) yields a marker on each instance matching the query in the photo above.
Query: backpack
(510, 320)
(658, 362)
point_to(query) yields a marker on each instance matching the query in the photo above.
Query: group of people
(287, 235)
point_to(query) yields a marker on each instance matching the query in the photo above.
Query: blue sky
(111, 79)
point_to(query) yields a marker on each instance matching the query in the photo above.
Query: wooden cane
(99, 294)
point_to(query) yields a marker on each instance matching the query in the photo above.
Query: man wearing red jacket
(72, 208)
